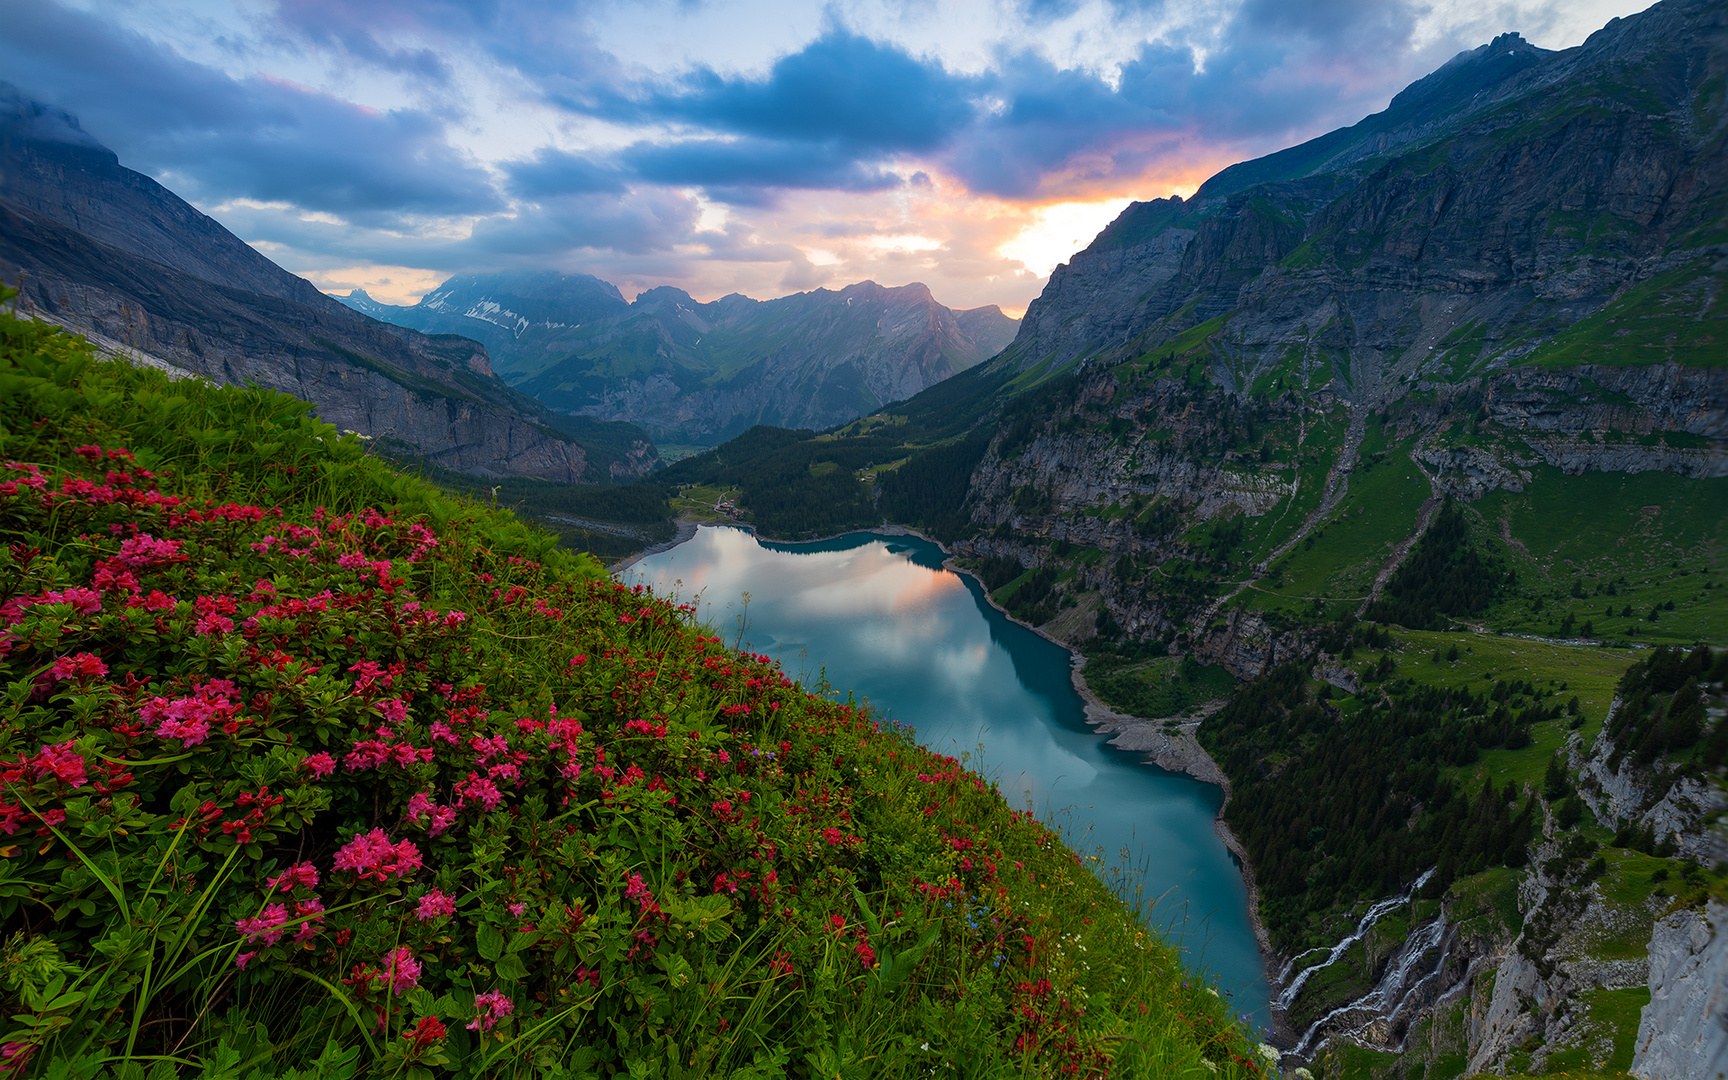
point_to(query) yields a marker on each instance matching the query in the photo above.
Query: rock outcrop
(1683, 1032)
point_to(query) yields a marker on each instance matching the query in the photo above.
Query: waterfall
(1288, 996)
(1391, 994)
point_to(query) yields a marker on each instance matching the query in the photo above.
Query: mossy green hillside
(323, 772)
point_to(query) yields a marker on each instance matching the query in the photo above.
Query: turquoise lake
(881, 618)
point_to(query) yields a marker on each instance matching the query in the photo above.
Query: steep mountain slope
(110, 252)
(700, 373)
(1474, 223)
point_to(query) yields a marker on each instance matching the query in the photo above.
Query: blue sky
(751, 146)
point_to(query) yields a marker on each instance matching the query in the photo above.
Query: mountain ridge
(700, 372)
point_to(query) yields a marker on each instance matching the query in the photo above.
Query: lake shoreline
(685, 529)
(1174, 752)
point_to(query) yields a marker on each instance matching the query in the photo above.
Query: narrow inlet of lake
(882, 619)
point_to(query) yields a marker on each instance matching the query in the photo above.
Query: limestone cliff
(1683, 1032)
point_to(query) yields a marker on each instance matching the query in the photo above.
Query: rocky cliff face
(1682, 1032)
(701, 373)
(102, 249)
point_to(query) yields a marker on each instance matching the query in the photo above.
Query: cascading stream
(1288, 995)
(1389, 996)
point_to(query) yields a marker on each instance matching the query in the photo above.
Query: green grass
(1656, 537)
(1161, 687)
(1588, 672)
(1610, 1013)
(1491, 894)
(1319, 452)
(1339, 559)
(624, 918)
(1677, 316)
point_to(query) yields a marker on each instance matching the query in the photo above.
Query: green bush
(310, 770)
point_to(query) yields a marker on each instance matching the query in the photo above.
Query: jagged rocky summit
(700, 373)
(112, 254)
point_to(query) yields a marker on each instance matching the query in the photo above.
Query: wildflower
(266, 925)
(401, 970)
(372, 855)
(478, 789)
(428, 1031)
(189, 718)
(433, 905)
(312, 911)
(79, 667)
(393, 710)
(303, 874)
(14, 1056)
(156, 601)
(321, 764)
(84, 601)
(144, 551)
(489, 1008)
(517, 908)
(58, 761)
(438, 818)
(213, 624)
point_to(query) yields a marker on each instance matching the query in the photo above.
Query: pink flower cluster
(59, 763)
(303, 875)
(489, 1008)
(144, 551)
(84, 602)
(401, 970)
(266, 925)
(189, 718)
(379, 752)
(438, 818)
(372, 855)
(477, 789)
(79, 667)
(435, 905)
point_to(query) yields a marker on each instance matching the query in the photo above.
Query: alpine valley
(1416, 435)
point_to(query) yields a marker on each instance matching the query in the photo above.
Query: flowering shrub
(302, 762)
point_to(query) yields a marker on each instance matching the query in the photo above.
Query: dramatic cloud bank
(721, 145)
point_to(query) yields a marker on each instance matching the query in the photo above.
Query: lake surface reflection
(882, 618)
